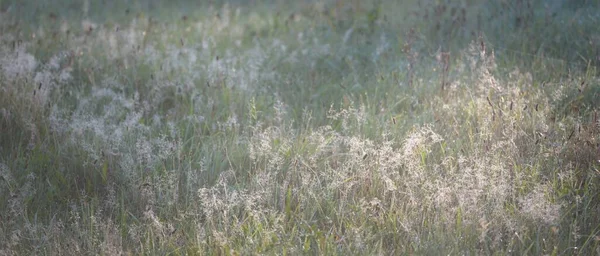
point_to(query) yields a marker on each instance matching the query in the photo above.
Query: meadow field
(325, 127)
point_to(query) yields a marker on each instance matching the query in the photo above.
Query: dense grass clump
(309, 127)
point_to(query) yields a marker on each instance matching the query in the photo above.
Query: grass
(313, 127)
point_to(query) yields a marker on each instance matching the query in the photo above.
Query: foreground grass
(308, 128)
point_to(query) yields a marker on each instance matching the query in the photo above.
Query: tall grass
(330, 127)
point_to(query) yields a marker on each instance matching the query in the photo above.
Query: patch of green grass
(332, 127)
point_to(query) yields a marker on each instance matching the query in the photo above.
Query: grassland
(308, 127)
